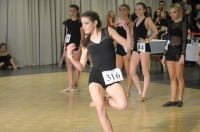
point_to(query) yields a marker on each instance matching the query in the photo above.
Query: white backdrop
(33, 29)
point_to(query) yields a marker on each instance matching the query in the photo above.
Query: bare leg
(118, 98)
(77, 55)
(62, 58)
(145, 59)
(135, 60)
(71, 86)
(127, 68)
(180, 78)
(13, 64)
(173, 81)
(97, 95)
(119, 64)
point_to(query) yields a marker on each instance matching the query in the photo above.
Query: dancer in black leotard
(6, 61)
(174, 54)
(74, 34)
(123, 55)
(141, 49)
(99, 43)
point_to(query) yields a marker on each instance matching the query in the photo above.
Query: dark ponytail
(93, 16)
(144, 7)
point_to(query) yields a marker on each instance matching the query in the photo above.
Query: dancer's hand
(122, 23)
(163, 60)
(70, 48)
(181, 60)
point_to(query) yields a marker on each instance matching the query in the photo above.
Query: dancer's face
(3, 48)
(87, 25)
(175, 14)
(123, 11)
(73, 12)
(112, 14)
(139, 10)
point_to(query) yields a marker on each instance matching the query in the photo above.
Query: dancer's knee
(123, 105)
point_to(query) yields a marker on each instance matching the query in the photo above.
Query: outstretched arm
(80, 65)
(127, 43)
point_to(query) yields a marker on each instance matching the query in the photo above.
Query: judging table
(191, 51)
(157, 46)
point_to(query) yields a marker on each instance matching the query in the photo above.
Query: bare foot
(70, 90)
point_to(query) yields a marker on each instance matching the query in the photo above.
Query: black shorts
(97, 77)
(173, 53)
(77, 45)
(120, 50)
(148, 48)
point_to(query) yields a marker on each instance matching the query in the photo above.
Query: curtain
(33, 29)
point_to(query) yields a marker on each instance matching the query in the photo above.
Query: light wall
(33, 29)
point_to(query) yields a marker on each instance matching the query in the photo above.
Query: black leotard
(140, 31)
(73, 28)
(178, 40)
(120, 49)
(103, 56)
(6, 60)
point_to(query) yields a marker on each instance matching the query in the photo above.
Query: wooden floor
(35, 103)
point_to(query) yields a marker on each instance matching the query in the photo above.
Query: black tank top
(140, 31)
(103, 53)
(121, 31)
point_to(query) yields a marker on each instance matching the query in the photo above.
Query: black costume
(6, 60)
(119, 48)
(178, 40)
(103, 56)
(140, 31)
(73, 28)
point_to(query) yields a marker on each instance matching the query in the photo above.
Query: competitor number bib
(68, 38)
(167, 44)
(112, 76)
(141, 47)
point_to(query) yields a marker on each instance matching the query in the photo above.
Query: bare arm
(111, 22)
(149, 23)
(80, 65)
(119, 39)
(82, 34)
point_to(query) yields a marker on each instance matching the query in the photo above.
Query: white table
(157, 46)
(191, 52)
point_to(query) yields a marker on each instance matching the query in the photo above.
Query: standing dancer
(123, 55)
(74, 34)
(174, 54)
(104, 74)
(141, 50)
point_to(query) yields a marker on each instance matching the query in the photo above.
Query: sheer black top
(178, 34)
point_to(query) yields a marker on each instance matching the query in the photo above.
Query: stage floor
(35, 103)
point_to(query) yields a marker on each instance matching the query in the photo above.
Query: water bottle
(192, 39)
